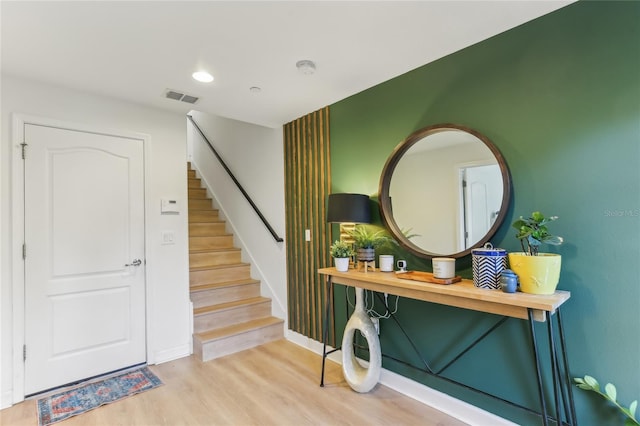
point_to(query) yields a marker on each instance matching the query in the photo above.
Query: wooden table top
(462, 294)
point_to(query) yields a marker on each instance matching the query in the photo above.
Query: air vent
(177, 96)
(189, 99)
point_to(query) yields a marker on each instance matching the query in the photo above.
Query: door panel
(96, 192)
(84, 221)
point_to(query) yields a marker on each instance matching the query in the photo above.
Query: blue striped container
(488, 264)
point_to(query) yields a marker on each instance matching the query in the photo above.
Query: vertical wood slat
(307, 185)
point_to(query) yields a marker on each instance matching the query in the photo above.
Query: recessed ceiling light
(202, 76)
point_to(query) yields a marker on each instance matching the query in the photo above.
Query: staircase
(229, 313)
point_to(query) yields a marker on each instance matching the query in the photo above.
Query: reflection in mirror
(448, 186)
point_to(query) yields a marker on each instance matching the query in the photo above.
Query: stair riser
(206, 229)
(199, 260)
(191, 174)
(211, 276)
(194, 183)
(237, 343)
(224, 294)
(197, 193)
(204, 204)
(204, 243)
(237, 315)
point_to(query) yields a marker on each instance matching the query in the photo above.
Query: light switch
(167, 237)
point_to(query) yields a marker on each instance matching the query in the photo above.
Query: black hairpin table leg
(536, 355)
(325, 326)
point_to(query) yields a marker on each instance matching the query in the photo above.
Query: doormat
(88, 396)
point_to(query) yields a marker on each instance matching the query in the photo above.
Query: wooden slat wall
(307, 185)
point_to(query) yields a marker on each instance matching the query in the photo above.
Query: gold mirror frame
(390, 166)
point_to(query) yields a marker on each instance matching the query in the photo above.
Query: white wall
(169, 328)
(255, 156)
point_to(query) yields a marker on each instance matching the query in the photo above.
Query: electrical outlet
(376, 324)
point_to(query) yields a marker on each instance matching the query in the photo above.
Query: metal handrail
(233, 178)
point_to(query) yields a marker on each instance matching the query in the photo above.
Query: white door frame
(17, 203)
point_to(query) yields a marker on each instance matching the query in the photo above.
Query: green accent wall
(560, 97)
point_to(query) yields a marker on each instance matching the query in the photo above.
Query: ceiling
(136, 50)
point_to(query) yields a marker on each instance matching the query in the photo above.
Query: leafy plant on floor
(610, 394)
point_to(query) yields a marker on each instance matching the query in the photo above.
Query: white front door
(84, 223)
(483, 197)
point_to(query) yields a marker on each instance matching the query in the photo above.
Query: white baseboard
(449, 405)
(6, 399)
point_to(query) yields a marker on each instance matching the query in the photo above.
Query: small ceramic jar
(508, 281)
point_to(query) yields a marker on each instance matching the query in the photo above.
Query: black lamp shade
(348, 208)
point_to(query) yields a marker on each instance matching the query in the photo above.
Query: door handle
(136, 262)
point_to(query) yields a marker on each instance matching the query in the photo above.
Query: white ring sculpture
(361, 379)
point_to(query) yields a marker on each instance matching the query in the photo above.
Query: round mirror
(444, 191)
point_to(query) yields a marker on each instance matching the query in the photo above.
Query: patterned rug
(88, 396)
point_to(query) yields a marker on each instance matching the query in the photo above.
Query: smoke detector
(306, 67)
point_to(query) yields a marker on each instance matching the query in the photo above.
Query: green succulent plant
(532, 232)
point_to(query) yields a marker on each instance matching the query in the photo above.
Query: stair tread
(213, 250)
(228, 265)
(203, 220)
(203, 287)
(226, 234)
(218, 220)
(232, 330)
(229, 305)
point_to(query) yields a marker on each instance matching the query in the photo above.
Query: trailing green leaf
(610, 394)
(611, 391)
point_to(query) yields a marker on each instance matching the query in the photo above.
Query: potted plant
(341, 251)
(539, 273)
(367, 239)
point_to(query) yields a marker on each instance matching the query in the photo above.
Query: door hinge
(24, 352)
(24, 150)
(24, 251)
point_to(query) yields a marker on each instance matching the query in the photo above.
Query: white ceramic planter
(341, 263)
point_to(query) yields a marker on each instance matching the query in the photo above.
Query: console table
(529, 307)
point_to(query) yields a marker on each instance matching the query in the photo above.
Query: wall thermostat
(168, 206)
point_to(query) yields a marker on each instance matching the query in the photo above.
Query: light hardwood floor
(274, 384)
